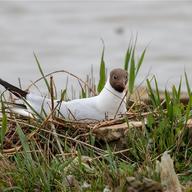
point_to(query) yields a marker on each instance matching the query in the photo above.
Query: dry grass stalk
(67, 72)
(52, 117)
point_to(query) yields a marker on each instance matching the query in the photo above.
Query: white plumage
(108, 104)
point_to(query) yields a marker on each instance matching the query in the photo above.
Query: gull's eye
(115, 77)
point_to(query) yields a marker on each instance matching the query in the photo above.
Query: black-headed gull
(109, 103)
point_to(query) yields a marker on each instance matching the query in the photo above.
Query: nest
(107, 130)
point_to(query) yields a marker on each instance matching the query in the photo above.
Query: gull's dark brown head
(118, 79)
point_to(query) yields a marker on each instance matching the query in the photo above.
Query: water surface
(67, 35)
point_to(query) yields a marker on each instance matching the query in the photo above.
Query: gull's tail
(18, 108)
(15, 90)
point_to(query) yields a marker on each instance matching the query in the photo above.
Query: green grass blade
(169, 105)
(63, 94)
(42, 73)
(132, 73)
(167, 99)
(131, 66)
(175, 94)
(188, 110)
(127, 58)
(4, 124)
(24, 144)
(3, 128)
(83, 93)
(140, 61)
(187, 84)
(158, 100)
(128, 55)
(102, 73)
(151, 93)
(179, 89)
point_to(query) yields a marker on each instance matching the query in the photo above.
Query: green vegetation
(52, 154)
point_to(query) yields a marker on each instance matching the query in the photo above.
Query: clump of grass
(131, 65)
(53, 154)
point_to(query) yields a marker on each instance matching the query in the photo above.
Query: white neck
(111, 99)
(108, 89)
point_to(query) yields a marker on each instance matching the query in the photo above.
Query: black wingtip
(15, 90)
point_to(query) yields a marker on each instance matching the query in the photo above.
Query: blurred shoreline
(68, 36)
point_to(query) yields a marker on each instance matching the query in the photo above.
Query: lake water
(67, 35)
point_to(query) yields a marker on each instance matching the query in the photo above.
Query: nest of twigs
(33, 129)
